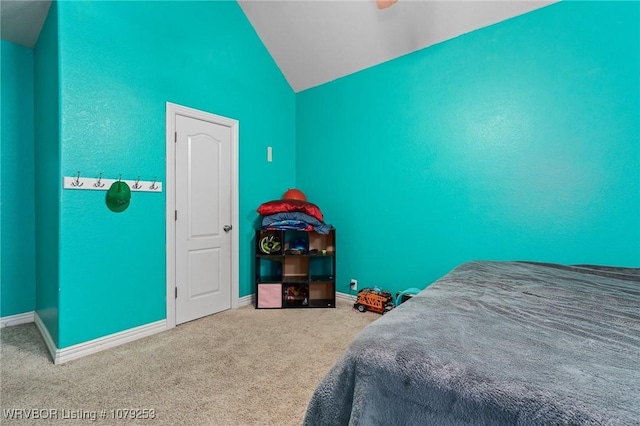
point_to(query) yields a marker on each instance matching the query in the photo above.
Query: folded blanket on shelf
(277, 220)
(290, 225)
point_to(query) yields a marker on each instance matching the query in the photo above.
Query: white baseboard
(17, 319)
(51, 346)
(245, 301)
(92, 346)
(80, 350)
(346, 297)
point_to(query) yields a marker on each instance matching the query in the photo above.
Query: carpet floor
(239, 367)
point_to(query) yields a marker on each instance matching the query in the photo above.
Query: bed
(496, 343)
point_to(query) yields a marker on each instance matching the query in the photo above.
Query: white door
(203, 218)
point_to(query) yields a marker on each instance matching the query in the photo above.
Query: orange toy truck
(375, 300)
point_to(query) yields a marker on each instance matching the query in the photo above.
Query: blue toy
(404, 295)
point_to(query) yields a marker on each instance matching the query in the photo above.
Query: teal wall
(17, 214)
(520, 141)
(47, 171)
(120, 63)
(517, 141)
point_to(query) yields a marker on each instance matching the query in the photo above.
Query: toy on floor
(404, 295)
(374, 300)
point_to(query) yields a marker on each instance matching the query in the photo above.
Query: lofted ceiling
(314, 42)
(21, 20)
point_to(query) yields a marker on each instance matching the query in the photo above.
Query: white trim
(11, 320)
(46, 337)
(170, 178)
(80, 350)
(245, 300)
(96, 345)
(346, 296)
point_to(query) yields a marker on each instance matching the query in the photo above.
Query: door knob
(227, 228)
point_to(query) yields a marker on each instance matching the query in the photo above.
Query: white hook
(77, 182)
(99, 183)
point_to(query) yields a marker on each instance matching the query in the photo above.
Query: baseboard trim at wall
(92, 346)
(96, 345)
(346, 297)
(46, 337)
(11, 320)
(245, 301)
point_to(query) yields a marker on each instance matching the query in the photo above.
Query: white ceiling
(21, 20)
(314, 42)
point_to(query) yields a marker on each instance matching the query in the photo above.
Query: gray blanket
(496, 343)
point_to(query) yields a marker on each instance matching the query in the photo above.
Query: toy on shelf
(270, 244)
(296, 293)
(375, 300)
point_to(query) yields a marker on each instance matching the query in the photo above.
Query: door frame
(172, 110)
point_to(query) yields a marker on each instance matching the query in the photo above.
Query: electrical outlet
(354, 284)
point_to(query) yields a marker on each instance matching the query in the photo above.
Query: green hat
(118, 196)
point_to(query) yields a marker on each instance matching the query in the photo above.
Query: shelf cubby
(287, 277)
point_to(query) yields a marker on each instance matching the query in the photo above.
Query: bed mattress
(496, 343)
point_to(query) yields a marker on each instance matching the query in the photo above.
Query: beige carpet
(239, 367)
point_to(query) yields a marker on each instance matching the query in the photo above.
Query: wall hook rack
(100, 184)
(76, 182)
(136, 185)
